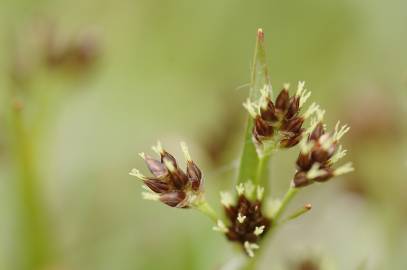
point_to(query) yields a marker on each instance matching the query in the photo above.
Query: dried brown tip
(260, 34)
(308, 206)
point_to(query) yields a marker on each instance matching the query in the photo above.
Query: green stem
(35, 248)
(289, 195)
(205, 208)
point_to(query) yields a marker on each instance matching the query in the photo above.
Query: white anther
(185, 150)
(346, 168)
(240, 218)
(259, 230)
(250, 247)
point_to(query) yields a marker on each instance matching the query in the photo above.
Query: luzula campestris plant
(250, 213)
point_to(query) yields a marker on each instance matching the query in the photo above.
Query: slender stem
(32, 222)
(260, 170)
(299, 212)
(289, 195)
(205, 208)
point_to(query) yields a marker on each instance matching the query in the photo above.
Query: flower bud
(170, 184)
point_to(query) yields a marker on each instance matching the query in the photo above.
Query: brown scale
(316, 155)
(242, 232)
(281, 116)
(172, 185)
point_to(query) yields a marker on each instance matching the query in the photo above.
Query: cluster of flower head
(246, 223)
(279, 123)
(319, 151)
(169, 183)
(276, 125)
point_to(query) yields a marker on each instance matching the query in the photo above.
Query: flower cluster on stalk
(246, 222)
(279, 124)
(319, 151)
(169, 183)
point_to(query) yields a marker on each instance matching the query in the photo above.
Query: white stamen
(315, 172)
(240, 189)
(250, 107)
(300, 88)
(346, 168)
(260, 193)
(286, 86)
(339, 132)
(142, 155)
(185, 150)
(226, 199)
(220, 227)
(240, 218)
(259, 230)
(313, 108)
(340, 153)
(138, 174)
(265, 96)
(304, 98)
(150, 196)
(250, 247)
(158, 148)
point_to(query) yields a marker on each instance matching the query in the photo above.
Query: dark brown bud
(320, 155)
(168, 158)
(157, 186)
(269, 114)
(179, 178)
(262, 128)
(282, 100)
(293, 108)
(290, 142)
(294, 125)
(323, 178)
(157, 168)
(304, 162)
(173, 198)
(317, 132)
(194, 175)
(301, 180)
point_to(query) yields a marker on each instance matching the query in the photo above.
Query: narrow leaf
(249, 159)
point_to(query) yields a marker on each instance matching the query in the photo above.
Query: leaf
(249, 159)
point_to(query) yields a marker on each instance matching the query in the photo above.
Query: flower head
(319, 151)
(279, 122)
(169, 183)
(246, 222)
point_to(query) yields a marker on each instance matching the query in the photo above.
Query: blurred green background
(86, 85)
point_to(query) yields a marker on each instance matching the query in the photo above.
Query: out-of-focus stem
(34, 246)
(261, 173)
(205, 208)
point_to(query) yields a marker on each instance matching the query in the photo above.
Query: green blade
(260, 78)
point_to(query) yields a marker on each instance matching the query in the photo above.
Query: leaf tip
(260, 34)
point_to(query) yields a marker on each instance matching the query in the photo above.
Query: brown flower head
(169, 183)
(279, 123)
(246, 223)
(319, 151)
